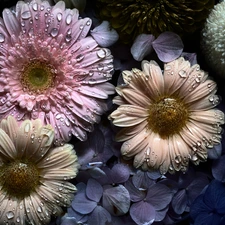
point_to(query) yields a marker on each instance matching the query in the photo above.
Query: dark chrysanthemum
(133, 17)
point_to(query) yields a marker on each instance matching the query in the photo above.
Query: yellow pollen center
(167, 116)
(37, 77)
(19, 179)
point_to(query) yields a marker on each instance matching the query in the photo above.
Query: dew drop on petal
(68, 19)
(2, 38)
(101, 53)
(10, 215)
(182, 73)
(168, 67)
(26, 15)
(54, 32)
(59, 17)
(35, 6)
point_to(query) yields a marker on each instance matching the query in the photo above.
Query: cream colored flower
(33, 175)
(167, 118)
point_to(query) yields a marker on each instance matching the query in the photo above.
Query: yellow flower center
(37, 77)
(19, 179)
(167, 116)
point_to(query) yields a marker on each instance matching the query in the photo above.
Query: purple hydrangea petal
(94, 190)
(81, 203)
(218, 169)
(159, 196)
(196, 186)
(215, 152)
(142, 180)
(168, 46)
(160, 214)
(69, 221)
(78, 216)
(142, 46)
(142, 213)
(135, 194)
(179, 201)
(120, 173)
(214, 196)
(99, 216)
(154, 175)
(116, 200)
(191, 57)
(104, 35)
(97, 173)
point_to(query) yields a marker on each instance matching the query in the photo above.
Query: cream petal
(154, 72)
(10, 126)
(134, 97)
(213, 116)
(129, 132)
(60, 164)
(128, 115)
(158, 150)
(7, 148)
(172, 78)
(139, 160)
(54, 196)
(195, 79)
(206, 103)
(136, 144)
(179, 153)
(203, 90)
(119, 101)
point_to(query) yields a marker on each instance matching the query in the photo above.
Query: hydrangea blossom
(51, 69)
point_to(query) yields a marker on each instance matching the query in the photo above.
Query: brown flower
(133, 17)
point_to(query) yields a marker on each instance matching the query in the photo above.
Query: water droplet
(10, 215)
(101, 53)
(178, 159)
(68, 19)
(100, 67)
(32, 136)
(42, 7)
(59, 17)
(26, 15)
(18, 219)
(167, 67)
(182, 73)
(194, 158)
(2, 38)
(88, 23)
(35, 6)
(39, 209)
(68, 38)
(54, 32)
(81, 27)
(80, 58)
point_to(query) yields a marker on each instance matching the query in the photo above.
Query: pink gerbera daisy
(167, 118)
(50, 69)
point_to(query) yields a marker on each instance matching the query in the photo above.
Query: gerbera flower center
(37, 77)
(19, 179)
(167, 116)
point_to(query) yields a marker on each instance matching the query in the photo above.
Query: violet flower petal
(116, 200)
(142, 46)
(179, 201)
(135, 194)
(215, 152)
(168, 46)
(99, 216)
(159, 196)
(142, 213)
(120, 173)
(218, 169)
(81, 203)
(104, 35)
(94, 190)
